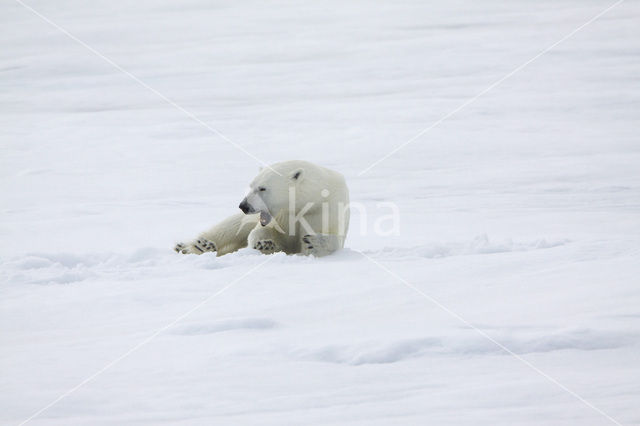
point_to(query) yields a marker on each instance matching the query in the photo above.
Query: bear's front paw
(308, 242)
(198, 246)
(317, 245)
(265, 246)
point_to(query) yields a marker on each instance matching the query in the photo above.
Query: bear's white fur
(293, 206)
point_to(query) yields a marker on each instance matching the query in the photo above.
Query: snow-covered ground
(519, 215)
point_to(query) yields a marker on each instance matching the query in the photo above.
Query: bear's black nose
(245, 207)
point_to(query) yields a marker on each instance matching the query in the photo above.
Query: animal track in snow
(225, 325)
(390, 352)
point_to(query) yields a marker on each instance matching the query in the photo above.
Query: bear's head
(269, 193)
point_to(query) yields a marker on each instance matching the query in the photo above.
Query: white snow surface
(519, 215)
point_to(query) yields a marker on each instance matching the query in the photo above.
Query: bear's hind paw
(199, 246)
(204, 245)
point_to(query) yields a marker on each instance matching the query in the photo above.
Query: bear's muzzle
(246, 207)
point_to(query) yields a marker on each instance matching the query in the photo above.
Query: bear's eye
(262, 188)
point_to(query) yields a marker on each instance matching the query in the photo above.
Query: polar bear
(293, 207)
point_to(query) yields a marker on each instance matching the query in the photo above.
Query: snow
(519, 213)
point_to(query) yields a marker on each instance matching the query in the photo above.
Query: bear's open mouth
(265, 218)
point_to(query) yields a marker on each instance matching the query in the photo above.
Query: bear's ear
(296, 175)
